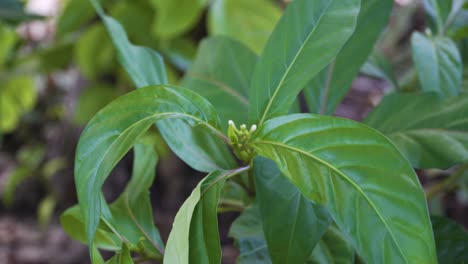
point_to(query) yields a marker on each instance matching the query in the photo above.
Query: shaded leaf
(360, 177)
(431, 132)
(328, 88)
(285, 66)
(451, 240)
(333, 248)
(221, 73)
(250, 22)
(438, 64)
(292, 224)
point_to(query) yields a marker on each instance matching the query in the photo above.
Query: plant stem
(447, 184)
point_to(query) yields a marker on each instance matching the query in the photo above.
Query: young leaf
(177, 16)
(198, 149)
(305, 40)
(434, 135)
(327, 89)
(250, 22)
(451, 240)
(194, 237)
(438, 63)
(333, 248)
(114, 130)
(292, 224)
(248, 234)
(368, 187)
(221, 73)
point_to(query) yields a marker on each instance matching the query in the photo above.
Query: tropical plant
(311, 188)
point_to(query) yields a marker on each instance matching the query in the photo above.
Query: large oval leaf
(305, 40)
(194, 237)
(292, 224)
(221, 73)
(431, 133)
(114, 130)
(366, 184)
(438, 63)
(327, 89)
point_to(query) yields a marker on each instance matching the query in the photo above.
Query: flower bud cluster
(240, 139)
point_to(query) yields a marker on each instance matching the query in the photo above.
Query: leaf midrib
(323, 162)
(290, 66)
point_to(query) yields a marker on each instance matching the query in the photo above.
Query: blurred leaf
(93, 99)
(333, 248)
(12, 12)
(74, 15)
(46, 210)
(451, 240)
(53, 166)
(93, 52)
(56, 57)
(194, 237)
(438, 63)
(292, 224)
(8, 39)
(115, 129)
(233, 197)
(431, 132)
(19, 175)
(380, 67)
(442, 13)
(17, 96)
(285, 65)
(328, 88)
(175, 17)
(180, 52)
(247, 233)
(360, 177)
(221, 73)
(250, 22)
(31, 156)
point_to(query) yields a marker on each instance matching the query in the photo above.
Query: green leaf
(292, 224)
(175, 17)
(114, 130)
(12, 181)
(451, 240)
(143, 65)
(438, 64)
(194, 237)
(17, 96)
(361, 178)
(122, 257)
(250, 22)
(433, 135)
(221, 73)
(74, 15)
(12, 12)
(9, 38)
(327, 89)
(202, 151)
(93, 99)
(308, 29)
(333, 248)
(248, 235)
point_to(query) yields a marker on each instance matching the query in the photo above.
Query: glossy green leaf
(143, 65)
(438, 64)
(175, 17)
(308, 29)
(451, 240)
(248, 235)
(114, 130)
(333, 248)
(202, 151)
(328, 88)
(194, 237)
(250, 22)
(17, 96)
(221, 73)
(368, 187)
(431, 132)
(292, 224)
